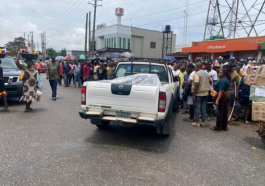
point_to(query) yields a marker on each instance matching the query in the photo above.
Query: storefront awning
(218, 47)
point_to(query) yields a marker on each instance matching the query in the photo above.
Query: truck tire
(176, 104)
(165, 129)
(104, 124)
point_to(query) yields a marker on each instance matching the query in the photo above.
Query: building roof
(132, 27)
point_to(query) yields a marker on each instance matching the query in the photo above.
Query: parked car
(13, 87)
(43, 67)
(102, 102)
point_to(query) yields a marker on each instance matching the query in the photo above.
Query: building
(119, 38)
(227, 48)
(75, 52)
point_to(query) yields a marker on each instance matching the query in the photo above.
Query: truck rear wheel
(165, 129)
(176, 104)
(104, 124)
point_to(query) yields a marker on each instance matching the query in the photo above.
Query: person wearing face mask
(53, 75)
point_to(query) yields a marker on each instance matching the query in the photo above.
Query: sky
(64, 20)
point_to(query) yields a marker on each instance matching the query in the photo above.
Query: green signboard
(262, 47)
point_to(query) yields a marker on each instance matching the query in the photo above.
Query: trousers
(222, 120)
(53, 84)
(200, 106)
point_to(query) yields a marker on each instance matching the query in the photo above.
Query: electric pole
(94, 24)
(89, 35)
(86, 35)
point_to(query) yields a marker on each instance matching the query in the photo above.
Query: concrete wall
(114, 31)
(141, 40)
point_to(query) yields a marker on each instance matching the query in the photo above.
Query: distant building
(119, 38)
(75, 52)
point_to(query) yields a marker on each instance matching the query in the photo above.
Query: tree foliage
(63, 52)
(14, 46)
(215, 37)
(51, 52)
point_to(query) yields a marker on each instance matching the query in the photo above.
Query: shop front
(227, 48)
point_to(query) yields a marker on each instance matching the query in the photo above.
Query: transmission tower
(235, 18)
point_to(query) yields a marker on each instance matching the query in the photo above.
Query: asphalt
(54, 146)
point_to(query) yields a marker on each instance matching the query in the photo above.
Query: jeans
(66, 79)
(77, 79)
(53, 84)
(88, 79)
(200, 106)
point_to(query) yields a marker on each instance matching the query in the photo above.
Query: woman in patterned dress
(30, 85)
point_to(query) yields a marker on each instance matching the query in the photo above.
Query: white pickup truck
(104, 101)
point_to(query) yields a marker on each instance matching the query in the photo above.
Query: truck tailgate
(142, 99)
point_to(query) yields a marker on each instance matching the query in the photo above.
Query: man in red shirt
(61, 72)
(38, 66)
(86, 72)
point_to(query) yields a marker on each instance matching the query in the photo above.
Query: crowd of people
(77, 72)
(209, 87)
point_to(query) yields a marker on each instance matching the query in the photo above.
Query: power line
(65, 28)
(68, 20)
(165, 11)
(61, 14)
(171, 19)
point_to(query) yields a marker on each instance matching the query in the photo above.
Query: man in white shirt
(245, 66)
(214, 78)
(175, 70)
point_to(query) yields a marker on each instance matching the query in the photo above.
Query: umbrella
(59, 58)
(127, 54)
(69, 58)
(169, 58)
(81, 57)
(115, 55)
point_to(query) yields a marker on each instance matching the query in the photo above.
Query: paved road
(53, 146)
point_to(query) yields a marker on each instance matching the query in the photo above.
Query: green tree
(51, 52)
(63, 52)
(14, 46)
(217, 36)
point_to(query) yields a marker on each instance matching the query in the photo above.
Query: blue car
(13, 87)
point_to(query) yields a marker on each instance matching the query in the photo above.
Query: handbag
(214, 93)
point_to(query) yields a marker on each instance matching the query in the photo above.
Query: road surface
(54, 146)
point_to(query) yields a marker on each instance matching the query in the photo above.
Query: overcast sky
(64, 20)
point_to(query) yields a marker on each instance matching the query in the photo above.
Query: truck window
(131, 69)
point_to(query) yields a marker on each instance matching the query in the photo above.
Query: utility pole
(89, 35)
(86, 35)
(28, 42)
(94, 24)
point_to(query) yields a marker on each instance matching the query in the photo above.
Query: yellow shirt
(181, 77)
